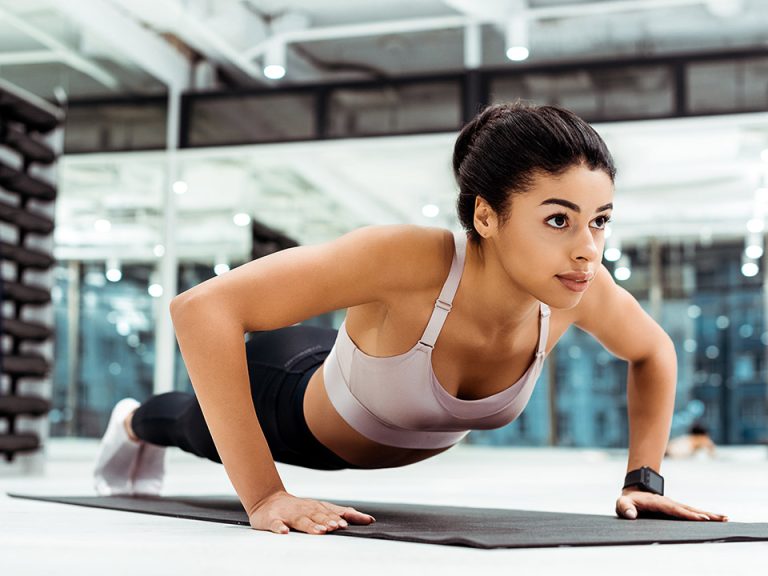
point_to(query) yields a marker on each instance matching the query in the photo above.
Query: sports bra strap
(543, 328)
(444, 302)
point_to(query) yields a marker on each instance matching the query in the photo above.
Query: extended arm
(276, 291)
(619, 323)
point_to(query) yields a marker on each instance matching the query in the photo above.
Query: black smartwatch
(645, 479)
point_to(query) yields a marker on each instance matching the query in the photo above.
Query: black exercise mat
(453, 525)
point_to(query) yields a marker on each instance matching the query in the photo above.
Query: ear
(485, 217)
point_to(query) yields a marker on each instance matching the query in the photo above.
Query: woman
(536, 191)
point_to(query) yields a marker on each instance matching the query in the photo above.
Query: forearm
(651, 401)
(213, 349)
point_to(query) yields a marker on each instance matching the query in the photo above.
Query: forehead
(582, 186)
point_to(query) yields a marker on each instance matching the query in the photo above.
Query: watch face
(654, 481)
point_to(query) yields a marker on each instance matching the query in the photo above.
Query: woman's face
(552, 243)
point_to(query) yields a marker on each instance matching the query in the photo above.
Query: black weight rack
(30, 142)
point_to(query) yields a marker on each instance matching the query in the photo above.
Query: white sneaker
(149, 471)
(118, 454)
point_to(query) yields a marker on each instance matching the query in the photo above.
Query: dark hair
(499, 152)
(698, 429)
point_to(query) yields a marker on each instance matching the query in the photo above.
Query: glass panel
(423, 107)
(600, 94)
(728, 86)
(116, 342)
(246, 119)
(111, 127)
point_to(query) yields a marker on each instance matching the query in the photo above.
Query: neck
(493, 299)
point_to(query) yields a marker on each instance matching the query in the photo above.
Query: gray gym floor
(42, 538)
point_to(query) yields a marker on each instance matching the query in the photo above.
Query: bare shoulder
(418, 257)
(369, 265)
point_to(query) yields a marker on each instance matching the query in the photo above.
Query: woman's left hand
(633, 503)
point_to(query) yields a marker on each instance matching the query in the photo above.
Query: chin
(564, 302)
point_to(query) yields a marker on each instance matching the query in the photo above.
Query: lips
(575, 281)
(577, 276)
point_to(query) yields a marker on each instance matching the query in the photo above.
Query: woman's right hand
(281, 511)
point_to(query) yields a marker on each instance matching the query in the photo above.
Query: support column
(165, 339)
(71, 412)
(655, 293)
(473, 97)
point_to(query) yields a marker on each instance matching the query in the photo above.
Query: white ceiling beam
(29, 57)
(473, 13)
(603, 8)
(147, 49)
(181, 19)
(195, 27)
(359, 31)
(66, 54)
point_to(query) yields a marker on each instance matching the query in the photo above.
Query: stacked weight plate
(27, 156)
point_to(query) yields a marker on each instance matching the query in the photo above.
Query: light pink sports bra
(398, 401)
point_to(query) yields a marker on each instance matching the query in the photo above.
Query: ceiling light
(622, 271)
(612, 254)
(180, 187)
(749, 269)
(274, 60)
(241, 219)
(102, 225)
(114, 274)
(516, 38)
(430, 210)
(754, 245)
(159, 250)
(753, 251)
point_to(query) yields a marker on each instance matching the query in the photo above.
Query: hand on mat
(282, 511)
(633, 503)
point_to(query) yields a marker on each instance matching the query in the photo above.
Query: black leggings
(280, 364)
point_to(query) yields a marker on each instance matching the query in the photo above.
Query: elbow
(662, 351)
(180, 305)
(176, 303)
(666, 349)
(194, 308)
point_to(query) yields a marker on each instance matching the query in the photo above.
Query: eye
(601, 221)
(559, 219)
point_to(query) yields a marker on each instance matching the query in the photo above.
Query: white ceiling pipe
(67, 54)
(29, 57)
(361, 30)
(473, 45)
(447, 22)
(602, 8)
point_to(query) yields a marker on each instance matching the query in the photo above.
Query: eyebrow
(573, 206)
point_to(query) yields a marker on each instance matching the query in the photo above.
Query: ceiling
(90, 48)
(694, 178)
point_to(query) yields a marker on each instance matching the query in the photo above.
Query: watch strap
(645, 479)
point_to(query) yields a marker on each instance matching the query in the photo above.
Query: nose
(585, 247)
